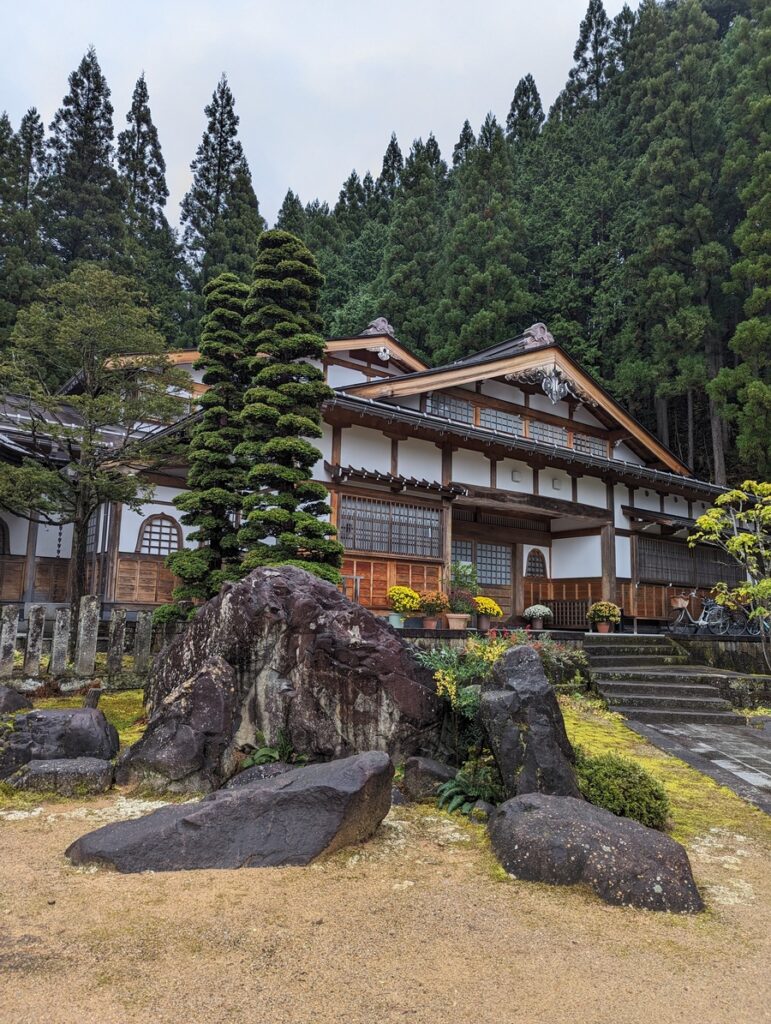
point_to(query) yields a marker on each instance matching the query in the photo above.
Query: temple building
(514, 459)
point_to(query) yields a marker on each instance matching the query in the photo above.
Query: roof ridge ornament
(538, 334)
(380, 326)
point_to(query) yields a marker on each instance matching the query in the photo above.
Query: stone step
(685, 675)
(618, 688)
(626, 650)
(667, 716)
(610, 661)
(681, 703)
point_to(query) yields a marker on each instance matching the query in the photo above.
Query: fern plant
(283, 751)
(477, 779)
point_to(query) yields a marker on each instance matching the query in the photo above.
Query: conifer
(216, 478)
(85, 203)
(466, 142)
(285, 510)
(525, 118)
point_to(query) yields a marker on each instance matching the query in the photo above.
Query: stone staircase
(648, 678)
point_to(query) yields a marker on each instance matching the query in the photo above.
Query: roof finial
(540, 335)
(380, 326)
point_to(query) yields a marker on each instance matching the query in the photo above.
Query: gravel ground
(418, 925)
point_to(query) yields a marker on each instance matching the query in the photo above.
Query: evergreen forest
(633, 217)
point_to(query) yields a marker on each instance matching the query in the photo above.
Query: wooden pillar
(608, 549)
(518, 581)
(635, 576)
(446, 542)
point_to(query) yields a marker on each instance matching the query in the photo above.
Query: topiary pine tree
(215, 478)
(285, 509)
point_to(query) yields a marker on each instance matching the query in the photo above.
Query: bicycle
(713, 616)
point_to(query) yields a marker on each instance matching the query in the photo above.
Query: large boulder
(183, 747)
(11, 701)
(330, 675)
(564, 841)
(76, 776)
(524, 724)
(51, 734)
(423, 776)
(258, 773)
(288, 820)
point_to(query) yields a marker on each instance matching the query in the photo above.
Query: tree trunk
(691, 452)
(662, 420)
(718, 449)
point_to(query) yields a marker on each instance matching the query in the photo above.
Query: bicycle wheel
(753, 627)
(679, 621)
(718, 620)
(737, 622)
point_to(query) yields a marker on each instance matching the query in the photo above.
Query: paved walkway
(735, 756)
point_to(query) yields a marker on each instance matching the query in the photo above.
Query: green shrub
(477, 779)
(623, 787)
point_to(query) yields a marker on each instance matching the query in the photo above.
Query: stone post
(142, 642)
(88, 629)
(116, 642)
(9, 624)
(36, 621)
(60, 642)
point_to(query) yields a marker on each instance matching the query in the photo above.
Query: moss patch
(698, 803)
(124, 709)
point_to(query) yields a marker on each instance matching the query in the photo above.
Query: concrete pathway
(735, 756)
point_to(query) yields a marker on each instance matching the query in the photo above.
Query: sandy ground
(416, 926)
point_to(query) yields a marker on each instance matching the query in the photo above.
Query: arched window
(5, 546)
(159, 535)
(536, 564)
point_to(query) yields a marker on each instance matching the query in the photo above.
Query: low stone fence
(83, 667)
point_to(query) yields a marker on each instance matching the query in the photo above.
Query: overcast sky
(319, 84)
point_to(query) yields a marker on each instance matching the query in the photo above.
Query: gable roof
(530, 351)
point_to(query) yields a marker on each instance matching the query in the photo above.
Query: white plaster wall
(131, 522)
(675, 505)
(163, 493)
(495, 389)
(343, 376)
(47, 537)
(544, 404)
(405, 401)
(649, 500)
(17, 533)
(699, 508)
(545, 551)
(591, 491)
(555, 483)
(623, 557)
(620, 498)
(363, 448)
(582, 415)
(470, 468)
(420, 459)
(508, 466)
(625, 454)
(576, 556)
(324, 445)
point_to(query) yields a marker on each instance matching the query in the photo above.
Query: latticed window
(462, 551)
(367, 524)
(159, 535)
(503, 422)
(590, 445)
(548, 433)
(670, 561)
(494, 564)
(451, 408)
(91, 529)
(536, 564)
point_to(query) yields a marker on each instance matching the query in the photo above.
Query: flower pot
(604, 627)
(396, 620)
(458, 620)
(536, 623)
(430, 622)
(483, 622)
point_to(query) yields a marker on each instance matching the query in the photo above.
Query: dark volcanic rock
(291, 819)
(11, 700)
(423, 777)
(333, 676)
(258, 773)
(49, 735)
(564, 841)
(69, 776)
(186, 737)
(524, 724)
